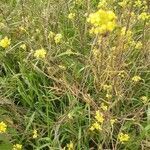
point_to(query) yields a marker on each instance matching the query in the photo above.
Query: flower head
(51, 35)
(35, 135)
(102, 21)
(95, 126)
(70, 146)
(138, 45)
(109, 96)
(104, 107)
(57, 38)
(5, 42)
(17, 147)
(123, 3)
(102, 4)
(143, 16)
(99, 117)
(138, 3)
(71, 16)
(3, 127)
(124, 32)
(22, 29)
(40, 53)
(112, 121)
(136, 79)
(23, 46)
(144, 99)
(123, 137)
(107, 87)
(78, 2)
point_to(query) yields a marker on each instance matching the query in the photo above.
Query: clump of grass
(74, 74)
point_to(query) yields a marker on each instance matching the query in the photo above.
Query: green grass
(59, 95)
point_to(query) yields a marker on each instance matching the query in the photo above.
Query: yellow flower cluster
(98, 123)
(35, 135)
(78, 2)
(71, 16)
(144, 16)
(3, 127)
(144, 99)
(99, 117)
(51, 35)
(138, 3)
(123, 3)
(23, 46)
(136, 79)
(126, 33)
(5, 42)
(112, 121)
(138, 45)
(22, 29)
(70, 146)
(107, 87)
(17, 147)
(102, 21)
(123, 137)
(96, 53)
(40, 53)
(142, 4)
(96, 126)
(56, 37)
(104, 107)
(2, 25)
(102, 4)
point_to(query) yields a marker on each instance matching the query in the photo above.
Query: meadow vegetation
(74, 75)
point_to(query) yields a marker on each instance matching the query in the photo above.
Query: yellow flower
(35, 135)
(138, 45)
(70, 146)
(123, 3)
(37, 30)
(62, 67)
(112, 121)
(22, 29)
(102, 21)
(5, 42)
(51, 35)
(123, 137)
(127, 33)
(58, 38)
(2, 25)
(104, 107)
(95, 126)
(17, 147)
(70, 116)
(96, 53)
(122, 74)
(107, 87)
(138, 3)
(78, 2)
(144, 99)
(143, 16)
(102, 4)
(136, 79)
(109, 96)
(71, 16)
(23, 46)
(3, 127)
(40, 53)
(99, 117)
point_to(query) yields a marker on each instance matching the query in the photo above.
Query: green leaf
(5, 143)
